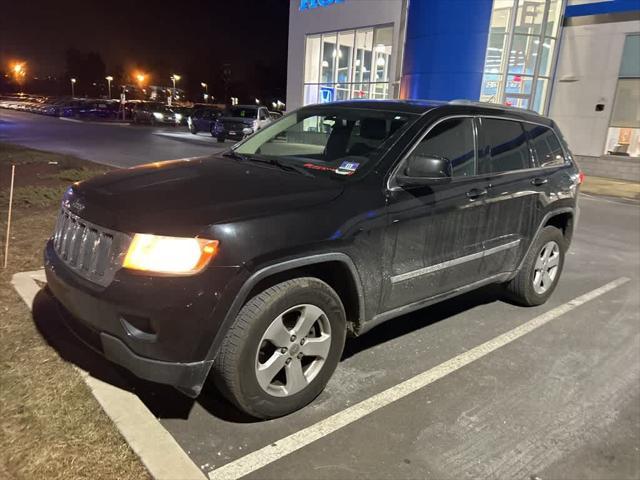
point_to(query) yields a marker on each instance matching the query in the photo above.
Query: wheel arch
(562, 218)
(345, 281)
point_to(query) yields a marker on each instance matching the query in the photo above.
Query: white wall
(587, 74)
(341, 16)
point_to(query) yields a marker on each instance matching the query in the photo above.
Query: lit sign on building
(311, 4)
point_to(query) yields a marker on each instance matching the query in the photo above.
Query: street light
(73, 84)
(109, 79)
(175, 78)
(19, 71)
(140, 77)
(206, 91)
(257, 101)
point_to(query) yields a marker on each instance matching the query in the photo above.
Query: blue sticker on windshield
(349, 166)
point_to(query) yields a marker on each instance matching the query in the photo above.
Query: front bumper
(159, 328)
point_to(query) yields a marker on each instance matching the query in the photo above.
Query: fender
(573, 210)
(243, 293)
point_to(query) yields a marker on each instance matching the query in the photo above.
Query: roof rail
(497, 106)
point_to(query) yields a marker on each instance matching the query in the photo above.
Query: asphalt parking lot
(110, 144)
(562, 401)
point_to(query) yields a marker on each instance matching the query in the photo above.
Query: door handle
(538, 181)
(475, 193)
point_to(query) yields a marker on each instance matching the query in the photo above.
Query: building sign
(326, 94)
(311, 4)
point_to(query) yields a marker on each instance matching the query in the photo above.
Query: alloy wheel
(546, 268)
(293, 350)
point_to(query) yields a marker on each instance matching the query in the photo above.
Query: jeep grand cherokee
(251, 267)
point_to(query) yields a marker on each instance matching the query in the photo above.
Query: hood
(181, 197)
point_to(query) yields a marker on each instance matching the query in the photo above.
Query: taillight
(580, 178)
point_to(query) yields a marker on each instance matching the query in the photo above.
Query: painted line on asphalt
(65, 119)
(287, 445)
(159, 452)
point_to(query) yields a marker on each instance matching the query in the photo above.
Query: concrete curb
(157, 449)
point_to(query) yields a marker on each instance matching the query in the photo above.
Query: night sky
(193, 38)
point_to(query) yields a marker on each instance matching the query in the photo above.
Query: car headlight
(158, 115)
(178, 117)
(169, 255)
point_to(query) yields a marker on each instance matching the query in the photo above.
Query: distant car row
(233, 123)
(61, 106)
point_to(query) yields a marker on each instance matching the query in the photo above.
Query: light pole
(206, 91)
(109, 80)
(175, 78)
(73, 85)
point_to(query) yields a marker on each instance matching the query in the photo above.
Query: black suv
(253, 266)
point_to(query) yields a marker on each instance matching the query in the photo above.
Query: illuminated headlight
(158, 115)
(178, 117)
(169, 255)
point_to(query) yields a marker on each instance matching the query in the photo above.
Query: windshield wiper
(235, 155)
(275, 162)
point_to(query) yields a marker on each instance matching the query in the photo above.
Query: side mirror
(425, 170)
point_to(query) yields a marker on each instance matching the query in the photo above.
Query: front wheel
(282, 348)
(541, 269)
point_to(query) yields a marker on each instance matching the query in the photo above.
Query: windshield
(243, 112)
(334, 141)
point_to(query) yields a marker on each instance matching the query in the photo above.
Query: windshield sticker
(323, 168)
(349, 166)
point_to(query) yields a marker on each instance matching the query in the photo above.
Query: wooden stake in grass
(6, 242)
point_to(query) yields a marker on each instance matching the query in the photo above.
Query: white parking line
(269, 454)
(158, 450)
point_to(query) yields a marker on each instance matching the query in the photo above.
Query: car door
(436, 232)
(506, 163)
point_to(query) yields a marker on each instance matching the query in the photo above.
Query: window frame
(392, 186)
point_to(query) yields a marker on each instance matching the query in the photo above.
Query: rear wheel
(193, 129)
(541, 269)
(282, 348)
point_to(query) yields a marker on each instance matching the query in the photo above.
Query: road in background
(115, 145)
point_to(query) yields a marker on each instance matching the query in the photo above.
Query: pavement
(474, 387)
(109, 144)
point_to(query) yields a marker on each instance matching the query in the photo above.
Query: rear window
(505, 146)
(545, 145)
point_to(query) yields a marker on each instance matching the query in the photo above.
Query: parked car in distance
(154, 113)
(275, 115)
(252, 266)
(203, 119)
(239, 121)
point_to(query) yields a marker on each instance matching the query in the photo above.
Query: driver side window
(451, 139)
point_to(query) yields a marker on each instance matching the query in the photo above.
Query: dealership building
(577, 61)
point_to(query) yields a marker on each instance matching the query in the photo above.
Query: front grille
(91, 251)
(234, 126)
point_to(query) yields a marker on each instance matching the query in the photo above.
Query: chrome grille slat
(93, 252)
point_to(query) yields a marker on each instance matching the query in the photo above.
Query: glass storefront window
(348, 64)
(521, 47)
(624, 129)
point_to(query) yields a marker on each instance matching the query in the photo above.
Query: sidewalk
(611, 188)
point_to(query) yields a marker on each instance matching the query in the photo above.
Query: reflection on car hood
(181, 197)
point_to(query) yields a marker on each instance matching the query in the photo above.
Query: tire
(278, 312)
(530, 287)
(193, 129)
